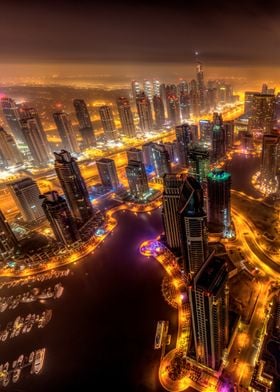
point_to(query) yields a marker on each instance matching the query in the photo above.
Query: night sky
(226, 33)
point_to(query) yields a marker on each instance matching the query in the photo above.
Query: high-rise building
(185, 108)
(218, 138)
(144, 113)
(183, 138)
(137, 179)
(212, 98)
(107, 172)
(182, 87)
(156, 87)
(12, 116)
(126, 117)
(108, 123)
(172, 184)
(160, 159)
(205, 129)
(73, 186)
(148, 90)
(162, 93)
(85, 124)
(136, 89)
(34, 140)
(209, 300)
(199, 163)
(66, 131)
(270, 163)
(173, 109)
(193, 226)
(172, 149)
(194, 99)
(218, 192)
(248, 102)
(59, 216)
(159, 111)
(229, 133)
(135, 154)
(9, 153)
(147, 154)
(263, 116)
(8, 240)
(200, 85)
(25, 193)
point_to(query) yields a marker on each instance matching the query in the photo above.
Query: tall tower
(8, 240)
(85, 124)
(108, 123)
(25, 193)
(263, 116)
(160, 159)
(135, 154)
(34, 140)
(218, 191)
(136, 89)
(144, 113)
(218, 138)
(9, 153)
(172, 184)
(137, 179)
(107, 172)
(156, 87)
(193, 226)
(11, 113)
(173, 108)
(183, 138)
(66, 131)
(73, 185)
(148, 90)
(185, 111)
(200, 83)
(270, 163)
(159, 111)
(126, 117)
(208, 294)
(199, 163)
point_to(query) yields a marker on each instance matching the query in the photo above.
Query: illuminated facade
(270, 163)
(199, 162)
(137, 179)
(183, 139)
(34, 140)
(126, 117)
(159, 111)
(66, 132)
(107, 172)
(85, 124)
(12, 115)
(8, 240)
(144, 112)
(9, 153)
(108, 123)
(160, 160)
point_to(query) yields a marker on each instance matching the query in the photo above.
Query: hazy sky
(228, 34)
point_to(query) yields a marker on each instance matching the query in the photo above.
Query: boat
(4, 335)
(3, 306)
(16, 374)
(31, 357)
(46, 294)
(159, 334)
(58, 290)
(38, 361)
(6, 378)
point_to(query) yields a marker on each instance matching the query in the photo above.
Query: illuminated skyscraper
(194, 99)
(85, 124)
(263, 116)
(173, 109)
(8, 240)
(9, 153)
(137, 179)
(107, 172)
(162, 93)
(209, 300)
(185, 108)
(126, 117)
(61, 221)
(148, 90)
(12, 115)
(147, 154)
(156, 87)
(200, 85)
(229, 133)
(66, 131)
(73, 186)
(160, 160)
(144, 113)
(25, 193)
(159, 111)
(205, 128)
(219, 205)
(199, 163)
(135, 154)
(193, 226)
(172, 184)
(270, 163)
(35, 141)
(248, 102)
(182, 87)
(136, 89)
(108, 123)
(218, 138)
(183, 138)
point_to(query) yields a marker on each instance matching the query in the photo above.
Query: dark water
(103, 327)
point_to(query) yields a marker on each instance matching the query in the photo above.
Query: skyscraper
(160, 159)
(148, 90)
(193, 225)
(147, 155)
(248, 102)
(34, 140)
(11, 113)
(162, 93)
(263, 116)
(219, 206)
(156, 87)
(66, 131)
(199, 163)
(229, 133)
(159, 111)
(137, 179)
(135, 154)
(173, 109)
(85, 124)
(25, 193)
(126, 117)
(9, 153)
(270, 163)
(8, 240)
(208, 294)
(107, 172)
(144, 113)
(183, 138)
(201, 86)
(218, 138)
(73, 185)
(185, 109)
(183, 87)
(136, 89)
(205, 128)
(172, 184)
(108, 123)
(61, 221)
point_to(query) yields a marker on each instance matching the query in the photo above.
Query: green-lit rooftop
(218, 175)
